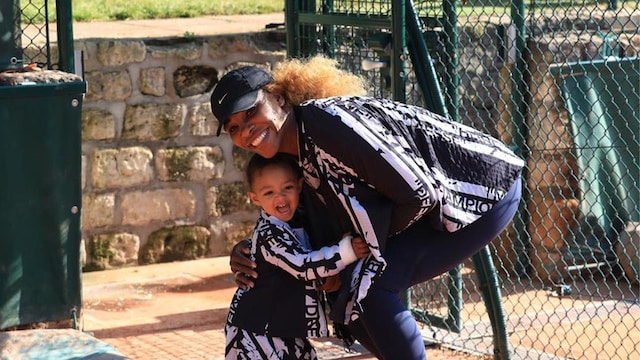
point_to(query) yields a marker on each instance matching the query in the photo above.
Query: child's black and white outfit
(273, 319)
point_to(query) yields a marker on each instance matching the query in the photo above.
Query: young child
(273, 319)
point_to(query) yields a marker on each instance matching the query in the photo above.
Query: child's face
(276, 189)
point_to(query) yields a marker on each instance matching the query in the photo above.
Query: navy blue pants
(412, 260)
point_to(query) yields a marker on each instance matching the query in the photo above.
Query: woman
(424, 193)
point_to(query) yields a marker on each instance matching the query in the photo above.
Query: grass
(105, 10)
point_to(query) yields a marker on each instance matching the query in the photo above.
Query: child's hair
(314, 78)
(258, 163)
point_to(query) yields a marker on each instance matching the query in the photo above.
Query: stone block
(226, 234)
(98, 210)
(98, 124)
(118, 52)
(152, 81)
(201, 120)
(240, 158)
(220, 46)
(112, 250)
(110, 86)
(159, 49)
(198, 164)
(194, 80)
(143, 207)
(232, 197)
(175, 244)
(114, 168)
(83, 172)
(153, 121)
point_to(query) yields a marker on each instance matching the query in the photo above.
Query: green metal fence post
(65, 35)
(520, 129)
(451, 78)
(399, 50)
(292, 9)
(490, 289)
(423, 66)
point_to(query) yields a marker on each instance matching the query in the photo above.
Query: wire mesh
(560, 82)
(45, 35)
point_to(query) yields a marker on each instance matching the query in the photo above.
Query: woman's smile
(258, 140)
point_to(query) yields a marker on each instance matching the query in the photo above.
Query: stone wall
(158, 185)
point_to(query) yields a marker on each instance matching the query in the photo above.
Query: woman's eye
(251, 111)
(232, 129)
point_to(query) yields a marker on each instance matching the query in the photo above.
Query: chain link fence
(37, 33)
(559, 81)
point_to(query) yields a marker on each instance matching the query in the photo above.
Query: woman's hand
(241, 266)
(360, 247)
(331, 283)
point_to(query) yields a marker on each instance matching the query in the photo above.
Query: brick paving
(170, 311)
(177, 311)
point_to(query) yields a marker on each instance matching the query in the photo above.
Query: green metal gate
(40, 141)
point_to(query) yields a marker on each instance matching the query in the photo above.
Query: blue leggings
(386, 328)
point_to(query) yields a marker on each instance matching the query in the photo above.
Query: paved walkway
(163, 28)
(177, 311)
(170, 311)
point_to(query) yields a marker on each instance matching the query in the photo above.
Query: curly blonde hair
(314, 78)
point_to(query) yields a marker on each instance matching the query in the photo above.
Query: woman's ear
(281, 100)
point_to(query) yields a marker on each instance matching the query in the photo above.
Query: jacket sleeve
(398, 187)
(280, 248)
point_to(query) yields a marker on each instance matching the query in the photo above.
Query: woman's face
(258, 129)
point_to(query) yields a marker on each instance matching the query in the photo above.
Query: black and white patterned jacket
(379, 166)
(285, 302)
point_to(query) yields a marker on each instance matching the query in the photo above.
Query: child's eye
(267, 193)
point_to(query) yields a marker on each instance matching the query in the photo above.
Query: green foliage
(107, 10)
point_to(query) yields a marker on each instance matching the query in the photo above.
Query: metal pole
(520, 130)
(292, 27)
(65, 35)
(452, 80)
(398, 51)
(422, 64)
(490, 290)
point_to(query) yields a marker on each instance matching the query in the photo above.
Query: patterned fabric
(285, 306)
(243, 345)
(384, 165)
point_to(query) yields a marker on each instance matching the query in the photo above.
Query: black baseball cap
(237, 91)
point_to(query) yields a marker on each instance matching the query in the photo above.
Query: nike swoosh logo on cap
(222, 98)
